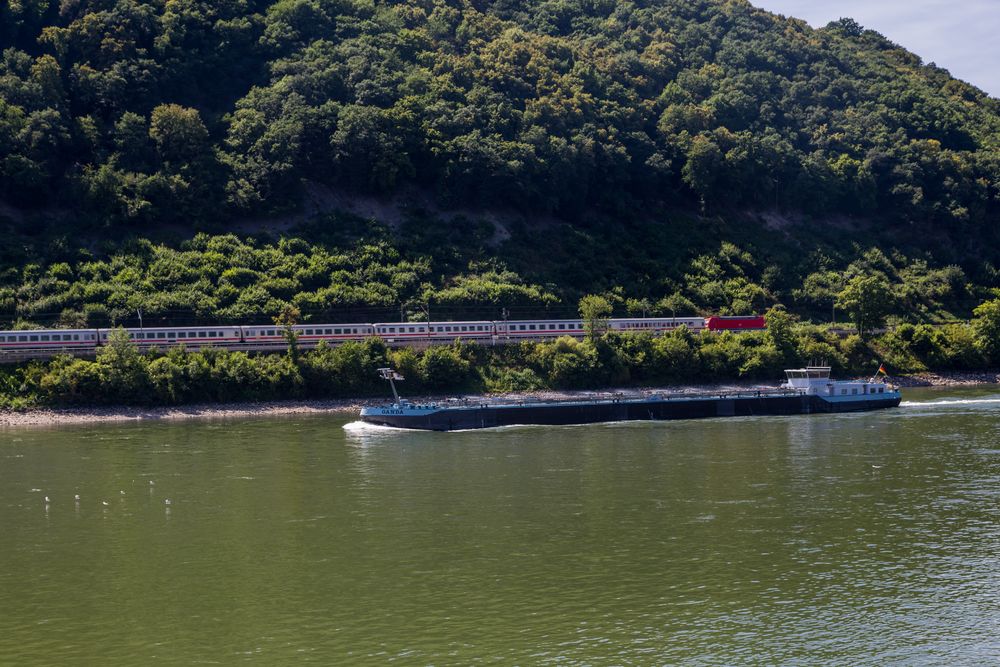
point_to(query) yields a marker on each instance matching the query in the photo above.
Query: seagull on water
(166, 501)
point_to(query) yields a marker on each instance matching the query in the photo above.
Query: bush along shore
(121, 375)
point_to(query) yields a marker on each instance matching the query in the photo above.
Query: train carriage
(529, 329)
(68, 339)
(309, 335)
(190, 337)
(656, 324)
(469, 330)
(735, 322)
(398, 332)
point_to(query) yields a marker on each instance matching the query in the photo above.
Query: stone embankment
(947, 379)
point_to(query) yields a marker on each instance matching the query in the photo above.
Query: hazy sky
(962, 36)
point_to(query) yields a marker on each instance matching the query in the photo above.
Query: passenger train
(267, 335)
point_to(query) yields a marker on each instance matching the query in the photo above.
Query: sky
(962, 36)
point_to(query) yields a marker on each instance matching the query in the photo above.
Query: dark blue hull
(654, 409)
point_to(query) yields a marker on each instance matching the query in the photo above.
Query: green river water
(868, 539)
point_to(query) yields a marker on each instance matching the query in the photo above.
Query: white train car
(395, 332)
(68, 339)
(311, 334)
(469, 330)
(190, 337)
(308, 334)
(656, 324)
(529, 329)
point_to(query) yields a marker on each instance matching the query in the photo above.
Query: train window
(881, 390)
(45, 339)
(76, 336)
(465, 328)
(447, 328)
(413, 329)
(327, 332)
(161, 335)
(552, 327)
(33, 339)
(22, 338)
(336, 332)
(67, 337)
(854, 390)
(182, 334)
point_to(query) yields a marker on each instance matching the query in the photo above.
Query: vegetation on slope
(644, 130)
(145, 113)
(121, 375)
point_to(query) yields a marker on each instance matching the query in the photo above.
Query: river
(827, 539)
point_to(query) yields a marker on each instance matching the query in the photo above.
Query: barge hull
(491, 416)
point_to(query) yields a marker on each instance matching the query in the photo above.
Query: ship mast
(391, 376)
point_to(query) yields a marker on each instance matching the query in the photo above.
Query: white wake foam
(364, 427)
(950, 401)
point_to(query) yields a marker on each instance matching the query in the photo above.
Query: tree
(986, 326)
(676, 303)
(638, 307)
(595, 311)
(287, 319)
(127, 375)
(704, 162)
(866, 300)
(178, 132)
(779, 330)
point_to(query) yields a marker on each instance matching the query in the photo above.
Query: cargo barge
(806, 391)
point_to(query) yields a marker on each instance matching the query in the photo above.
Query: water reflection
(855, 539)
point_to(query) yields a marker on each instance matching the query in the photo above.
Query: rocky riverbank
(90, 415)
(947, 379)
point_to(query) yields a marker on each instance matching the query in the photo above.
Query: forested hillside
(650, 132)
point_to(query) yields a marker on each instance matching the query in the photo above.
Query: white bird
(122, 492)
(77, 497)
(151, 482)
(104, 502)
(166, 501)
(46, 500)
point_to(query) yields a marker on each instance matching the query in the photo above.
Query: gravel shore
(90, 415)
